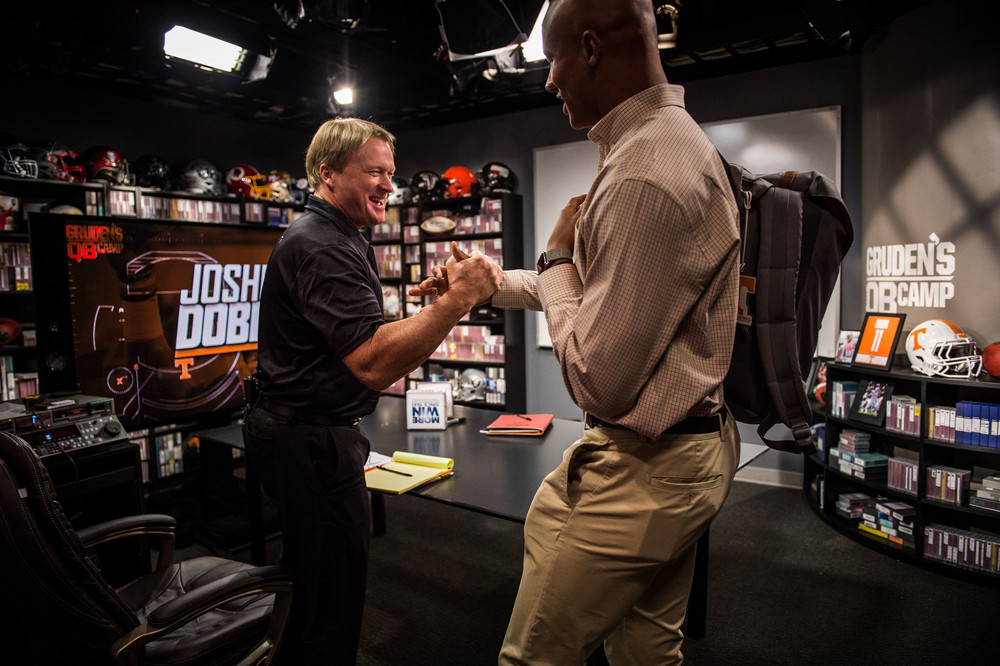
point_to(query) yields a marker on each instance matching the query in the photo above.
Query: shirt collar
(328, 211)
(332, 213)
(627, 116)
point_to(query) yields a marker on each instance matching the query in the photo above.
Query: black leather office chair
(206, 610)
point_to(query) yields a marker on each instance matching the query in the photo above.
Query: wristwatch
(550, 258)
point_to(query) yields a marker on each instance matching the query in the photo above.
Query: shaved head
(601, 52)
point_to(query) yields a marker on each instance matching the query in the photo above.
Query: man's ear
(327, 175)
(591, 43)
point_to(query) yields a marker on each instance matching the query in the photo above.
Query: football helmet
(245, 181)
(57, 162)
(152, 171)
(497, 177)
(938, 347)
(14, 160)
(201, 177)
(471, 385)
(299, 189)
(277, 184)
(401, 192)
(104, 163)
(460, 182)
(427, 185)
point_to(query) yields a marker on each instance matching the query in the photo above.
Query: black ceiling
(396, 49)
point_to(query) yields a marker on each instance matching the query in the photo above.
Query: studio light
(532, 48)
(344, 96)
(203, 50)
(666, 26)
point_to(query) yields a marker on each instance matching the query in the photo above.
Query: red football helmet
(245, 181)
(57, 162)
(278, 182)
(461, 182)
(104, 163)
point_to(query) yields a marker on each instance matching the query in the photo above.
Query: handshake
(474, 276)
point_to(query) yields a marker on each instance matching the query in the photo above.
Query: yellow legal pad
(409, 470)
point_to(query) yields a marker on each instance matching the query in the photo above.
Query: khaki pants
(609, 546)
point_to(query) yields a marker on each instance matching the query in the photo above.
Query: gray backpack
(794, 232)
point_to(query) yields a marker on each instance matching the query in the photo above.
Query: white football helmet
(471, 385)
(938, 347)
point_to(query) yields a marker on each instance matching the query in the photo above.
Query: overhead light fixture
(203, 50)
(341, 99)
(666, 26)
(344, 96)
(532, 48)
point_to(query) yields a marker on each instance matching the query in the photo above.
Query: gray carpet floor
(784, 588)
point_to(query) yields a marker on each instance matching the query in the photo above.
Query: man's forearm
(398, 347)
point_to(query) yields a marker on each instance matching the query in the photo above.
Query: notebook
(519, 424)
(404, 471)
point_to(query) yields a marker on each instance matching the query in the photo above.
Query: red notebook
(519, 424)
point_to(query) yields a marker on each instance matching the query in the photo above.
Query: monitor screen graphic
(160, 316)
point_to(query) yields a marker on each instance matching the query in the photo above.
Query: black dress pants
(315, 474)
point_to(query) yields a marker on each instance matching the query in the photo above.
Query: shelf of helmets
(922, 504)
(484, 355)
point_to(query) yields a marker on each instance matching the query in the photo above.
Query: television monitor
(160, 316)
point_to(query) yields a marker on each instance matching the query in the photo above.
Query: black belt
(692, 425)
(308, 418)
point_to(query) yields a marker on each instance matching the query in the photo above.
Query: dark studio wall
(80, 118)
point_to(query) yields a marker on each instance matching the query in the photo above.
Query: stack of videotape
(963, 548)
(853, 457)
(889, 520)
(902, 414)
(948, 484)
(985, 494)
(904, 473)
(850, 505)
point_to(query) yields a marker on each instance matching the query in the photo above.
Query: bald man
(639, 288)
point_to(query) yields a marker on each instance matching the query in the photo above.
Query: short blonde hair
(337, 140)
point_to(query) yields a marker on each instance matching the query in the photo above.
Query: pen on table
(394, 471)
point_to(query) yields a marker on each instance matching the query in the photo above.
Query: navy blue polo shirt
(320, 300)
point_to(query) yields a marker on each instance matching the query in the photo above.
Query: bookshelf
(488, 341)
(904, 458)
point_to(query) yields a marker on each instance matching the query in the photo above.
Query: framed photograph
(816, 383)
(846, 345)
(870, 402)
(879, 337)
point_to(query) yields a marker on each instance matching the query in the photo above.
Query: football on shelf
(9, 330)
(439, 225)
(991, 359)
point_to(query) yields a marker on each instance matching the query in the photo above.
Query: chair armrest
(274, 579)
(145, 524)
(265, 579)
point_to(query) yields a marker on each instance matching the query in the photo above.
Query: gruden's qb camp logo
(914, 275)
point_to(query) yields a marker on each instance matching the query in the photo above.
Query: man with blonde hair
(325, 353)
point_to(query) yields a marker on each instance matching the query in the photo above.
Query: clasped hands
(474, 274)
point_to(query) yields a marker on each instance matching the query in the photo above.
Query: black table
(495, 475)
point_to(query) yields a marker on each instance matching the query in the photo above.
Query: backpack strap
(779, 249)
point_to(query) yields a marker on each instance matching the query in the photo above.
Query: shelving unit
(488, 339)
(948, 534)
